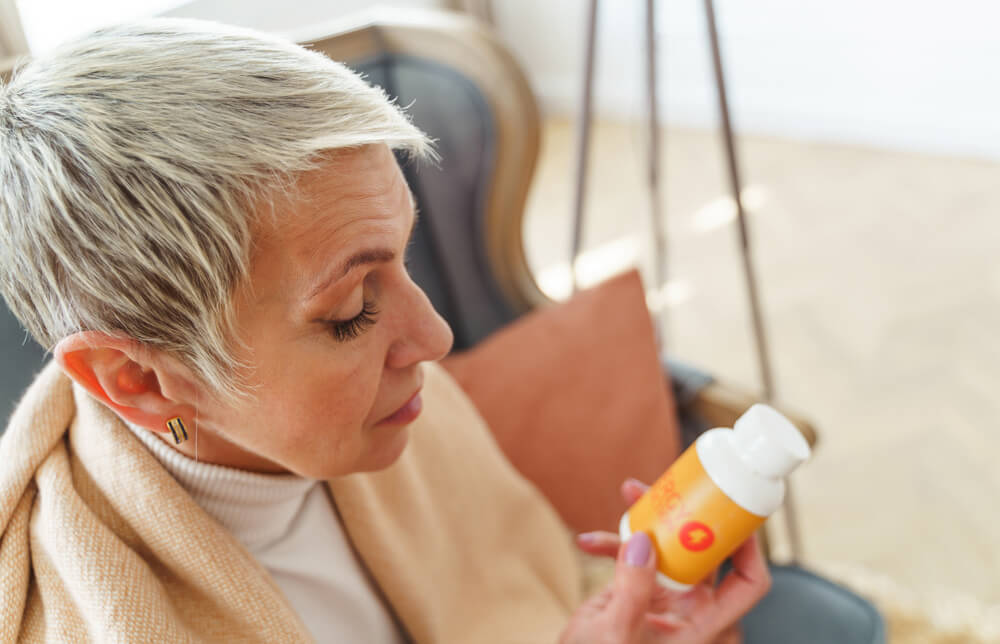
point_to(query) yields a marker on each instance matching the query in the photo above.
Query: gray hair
(133, 165)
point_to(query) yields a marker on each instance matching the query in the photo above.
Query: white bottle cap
(768, 442)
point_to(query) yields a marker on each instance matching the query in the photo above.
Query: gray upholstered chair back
(20, 359)
(448, 254)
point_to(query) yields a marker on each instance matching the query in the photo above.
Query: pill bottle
(716, 494)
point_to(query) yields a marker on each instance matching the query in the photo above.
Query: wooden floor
(881, 290)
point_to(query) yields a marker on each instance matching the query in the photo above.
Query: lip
(407, 413)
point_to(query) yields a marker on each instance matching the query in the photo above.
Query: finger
(634, 584)
(601, 600)
(632, 489)
(693, 613)
(667, 623)
(750, 567)
(745, 585)
(692, 601)
(602, 544)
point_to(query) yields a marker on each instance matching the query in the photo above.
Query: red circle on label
(696, 536)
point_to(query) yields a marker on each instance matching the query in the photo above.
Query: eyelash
(347, 330)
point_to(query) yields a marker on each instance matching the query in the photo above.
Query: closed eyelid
(346, 330)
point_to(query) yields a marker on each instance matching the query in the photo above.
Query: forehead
(350, 187)
(352, 199)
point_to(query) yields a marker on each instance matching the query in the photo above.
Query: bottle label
(693, 525)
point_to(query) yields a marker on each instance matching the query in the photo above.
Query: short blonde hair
(133, 163)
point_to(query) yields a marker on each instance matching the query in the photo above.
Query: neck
(208, 446)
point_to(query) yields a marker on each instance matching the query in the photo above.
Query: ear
(128, 378)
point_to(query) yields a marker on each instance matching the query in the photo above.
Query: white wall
(285, 16)
(902, 73)
(49, 22)
(916, 74)
(12, 39)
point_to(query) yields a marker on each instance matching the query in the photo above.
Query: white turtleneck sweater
(290, 525)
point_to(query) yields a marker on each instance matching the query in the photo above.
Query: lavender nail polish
(637, 550)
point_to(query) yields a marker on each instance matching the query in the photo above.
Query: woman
(243, 434)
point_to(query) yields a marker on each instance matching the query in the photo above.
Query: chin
(386, 449)
(382, 450)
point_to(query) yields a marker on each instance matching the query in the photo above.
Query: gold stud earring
(176, 427)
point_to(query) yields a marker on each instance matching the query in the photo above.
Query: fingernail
(587, 537)
(637, 550)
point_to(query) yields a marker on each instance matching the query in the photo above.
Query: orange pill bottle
(716, 494)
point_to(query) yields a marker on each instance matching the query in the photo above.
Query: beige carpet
(881, 290)
(921, 615)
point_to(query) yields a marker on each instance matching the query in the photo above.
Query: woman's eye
(347, 330)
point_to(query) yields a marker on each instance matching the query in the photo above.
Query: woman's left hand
(706, 613)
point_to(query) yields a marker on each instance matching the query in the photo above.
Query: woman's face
(335, 329)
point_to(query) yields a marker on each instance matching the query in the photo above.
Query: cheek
(324, 399)
(315, 400)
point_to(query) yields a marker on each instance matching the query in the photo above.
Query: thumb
(635, 582)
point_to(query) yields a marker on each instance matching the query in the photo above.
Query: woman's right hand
(635, 609)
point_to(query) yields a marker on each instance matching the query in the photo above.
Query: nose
(424, 335)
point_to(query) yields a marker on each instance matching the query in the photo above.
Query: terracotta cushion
(577, 399)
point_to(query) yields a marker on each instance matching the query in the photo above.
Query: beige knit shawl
(99, 543)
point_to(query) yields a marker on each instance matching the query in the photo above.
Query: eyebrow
(361, 258)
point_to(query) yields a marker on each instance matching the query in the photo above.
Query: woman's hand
(635, 609)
